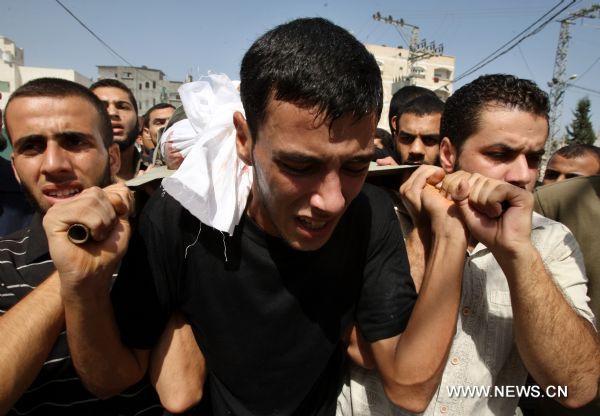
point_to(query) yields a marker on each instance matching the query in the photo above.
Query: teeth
(64, 193)
(314, 225)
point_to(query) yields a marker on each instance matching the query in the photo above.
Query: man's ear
(243, 140)
(447, 155)
(393, 122)
(114, 159)
(12, 164)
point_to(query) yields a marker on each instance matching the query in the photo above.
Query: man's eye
(406, 139)
(296, 169)
(534, 161)
(430, 140)
(31, 148)
(356, 168)
(499, 156)
(550, 174)
(74, 141)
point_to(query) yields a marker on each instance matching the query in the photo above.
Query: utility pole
(558, 84)
(417, 50)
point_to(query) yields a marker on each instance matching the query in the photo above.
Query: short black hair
(576, 150)
(311, 63)
(402, 97)
(463, 109)
(115, 83)
(61, 88)
(155, 107)
(422, 106)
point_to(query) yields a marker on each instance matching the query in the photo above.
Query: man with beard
(62, 147)
(122, 109)
(572, 161)
(415, 122)
(523, 304)
(417, 133)
(314, 250)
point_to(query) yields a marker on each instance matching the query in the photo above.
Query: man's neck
(128, 165)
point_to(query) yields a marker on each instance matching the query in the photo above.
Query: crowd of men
(332, 296)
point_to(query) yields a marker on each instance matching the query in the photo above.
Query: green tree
(581, 130)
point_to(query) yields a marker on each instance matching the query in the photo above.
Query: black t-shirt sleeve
(388, 293)
(145, 291)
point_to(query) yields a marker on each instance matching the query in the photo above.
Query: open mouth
(312, 224)
(117, 128)
(61, 193)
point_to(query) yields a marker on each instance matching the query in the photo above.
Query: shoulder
(554, 241)
(549, 198)
(544, 228)
(13, 247)
(373, 199)
(166, 219)
(26, 245)
(373, 208)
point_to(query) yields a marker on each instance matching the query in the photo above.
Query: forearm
(419, 358)
(557, 346)
(177, 367)
(417, 245)
(28, 331)
(104, 364)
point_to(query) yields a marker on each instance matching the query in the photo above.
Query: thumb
(460, 193)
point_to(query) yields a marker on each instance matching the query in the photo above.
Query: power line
(102, 41)
(589, 68)
(583, 88)
(93, 34)
(500, 52)
(525, 61)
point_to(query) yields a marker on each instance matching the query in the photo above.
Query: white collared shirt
(483, 353)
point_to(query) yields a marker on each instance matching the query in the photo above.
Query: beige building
(434, 73)
(149, 86)
(14, 73)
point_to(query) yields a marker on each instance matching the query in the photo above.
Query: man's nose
(417, 147)
(519, 173)
(55, 159)
(329, 197)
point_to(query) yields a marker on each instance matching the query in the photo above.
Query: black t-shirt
(268, 318)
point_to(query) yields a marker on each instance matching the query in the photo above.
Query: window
(154, 84)
(147, 84)
(126, 75)
(140, 86)
(418, 72)
(441, 74)
(4, 86)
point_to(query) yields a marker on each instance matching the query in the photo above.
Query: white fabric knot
(212, 182)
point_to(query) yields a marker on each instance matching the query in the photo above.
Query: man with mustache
(524, 296)
(62, 149)
(122, 109)
(314, 251)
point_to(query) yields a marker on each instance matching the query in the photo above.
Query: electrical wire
(589, 68)
(501, 51)
(102, 41)
(583, 88)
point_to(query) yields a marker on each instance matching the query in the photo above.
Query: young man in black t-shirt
(315, 251)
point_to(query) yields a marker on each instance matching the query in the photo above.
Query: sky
(193, 37)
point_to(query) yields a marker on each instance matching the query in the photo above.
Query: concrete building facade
(149, 86)
(434, 73)
(14, 73)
